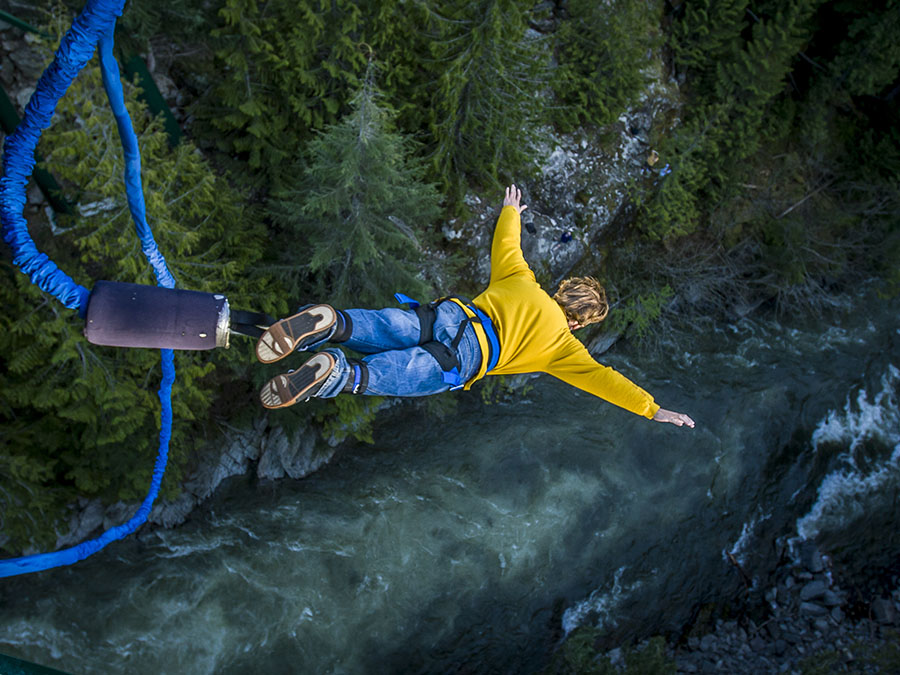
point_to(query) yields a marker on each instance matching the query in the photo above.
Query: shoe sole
(288, 388)
(286, 336)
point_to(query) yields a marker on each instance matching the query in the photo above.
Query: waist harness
(444, 355)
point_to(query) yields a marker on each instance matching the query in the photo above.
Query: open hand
(678, 419)
(512, 198)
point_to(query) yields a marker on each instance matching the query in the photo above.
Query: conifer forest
(325, 143)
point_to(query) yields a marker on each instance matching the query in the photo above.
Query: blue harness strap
(493, 340)
(406, 300)
(94, 25)
(446, 356)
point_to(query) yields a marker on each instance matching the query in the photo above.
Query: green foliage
(289, 68)
(822, 663)
(880, 657)
(886, 657)
(736, 77)
(637, 313)
(706, 34)
(868, 61)
(483, 103)
(602, 50)
(579, 656)
(650, 660)
(142, 20)
(785, 162)
(496, 388)
(356, 224)
(348, 416)
(82, 420)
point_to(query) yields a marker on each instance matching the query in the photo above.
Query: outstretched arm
(577, 367)
(506, 249)
(678, 419)
(513, 197)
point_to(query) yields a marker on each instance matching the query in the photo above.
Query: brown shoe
(295, 332)
(295, 385)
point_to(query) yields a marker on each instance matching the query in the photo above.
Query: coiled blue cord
(94, 26)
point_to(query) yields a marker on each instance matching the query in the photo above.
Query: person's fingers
(524, 206)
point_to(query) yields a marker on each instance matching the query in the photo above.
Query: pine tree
(289, 68)
(707, 32)
(489, 77)
(602, 51)
(357, 223)
(735, 90)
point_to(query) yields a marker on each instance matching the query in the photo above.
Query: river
(476, 543)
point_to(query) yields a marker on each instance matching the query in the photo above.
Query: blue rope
(95, 25)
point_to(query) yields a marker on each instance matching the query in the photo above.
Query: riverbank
(809, 619)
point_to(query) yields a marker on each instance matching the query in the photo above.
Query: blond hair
(583, 299)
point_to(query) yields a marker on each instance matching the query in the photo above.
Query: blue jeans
(398, 366)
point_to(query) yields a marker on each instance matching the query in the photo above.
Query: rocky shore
(807, 622)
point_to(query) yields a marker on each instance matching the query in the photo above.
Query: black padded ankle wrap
(358, 381)
(343, 328)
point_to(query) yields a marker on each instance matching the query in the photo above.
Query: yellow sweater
(533, 332)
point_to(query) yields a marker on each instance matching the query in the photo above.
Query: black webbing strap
(344, 328)
(427, 315)
(358, 381)
(445, 356)
(249, 323)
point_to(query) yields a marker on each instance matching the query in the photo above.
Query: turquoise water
(474, 544)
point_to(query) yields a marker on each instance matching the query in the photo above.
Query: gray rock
(29, 62)
(294, 456)
(813, 590)
(837, 614)
(832, 598)
(118, 513)
(615, 657)
(783, 595)
(883, 610)
(172, 513)
(23, 96)
(780, 647)
(34, 194)
(791, 636)
(87, 518)
(709, 642)
(822, 625)
(812, 609)
(757, 644)
(7, 76)
(811, 558)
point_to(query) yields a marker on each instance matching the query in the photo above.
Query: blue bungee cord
(94, 26)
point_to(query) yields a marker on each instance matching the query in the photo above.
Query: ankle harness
(358, 381)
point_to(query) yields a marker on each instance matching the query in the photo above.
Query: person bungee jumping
(513, 327)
